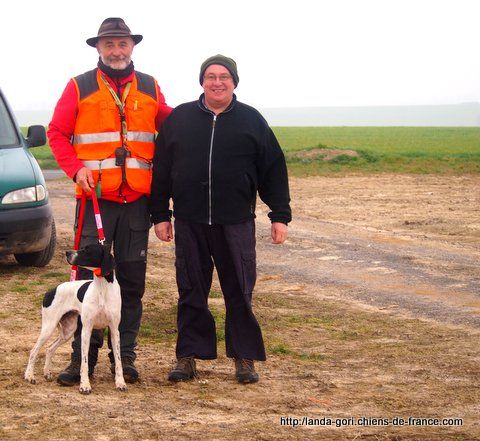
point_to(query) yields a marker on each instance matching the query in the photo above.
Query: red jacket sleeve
(163, 109)
(61, 128)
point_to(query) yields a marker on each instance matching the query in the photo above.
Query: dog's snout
(70, 255)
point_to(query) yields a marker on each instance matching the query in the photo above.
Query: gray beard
(107, 63)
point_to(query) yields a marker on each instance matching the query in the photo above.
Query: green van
(27, 227)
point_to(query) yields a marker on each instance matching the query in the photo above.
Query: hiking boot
(130, 373)
(184, 370)
(71, 375)
(245, 371)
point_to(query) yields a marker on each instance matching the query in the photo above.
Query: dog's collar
(98, 272)
(108, 277)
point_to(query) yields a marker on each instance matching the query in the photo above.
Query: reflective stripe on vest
(110, 163)
(90, 138)
(141, 136)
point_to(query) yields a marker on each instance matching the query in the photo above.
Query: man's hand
(84, 178)
(164, 231)
(279, 232)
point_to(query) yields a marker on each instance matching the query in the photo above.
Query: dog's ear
(108, 262)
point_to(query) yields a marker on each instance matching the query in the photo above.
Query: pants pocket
(139, 224)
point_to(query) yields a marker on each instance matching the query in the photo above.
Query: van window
(8, 134)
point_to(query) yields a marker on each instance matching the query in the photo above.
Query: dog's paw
(84, 390)
(30, 379)
(121, 387)
(48, 376)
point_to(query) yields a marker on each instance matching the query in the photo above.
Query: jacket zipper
(210, 173)
(205, 109)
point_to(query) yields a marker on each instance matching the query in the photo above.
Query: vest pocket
(110, 179)
(139, 179)
(108, 116)
(141, 113)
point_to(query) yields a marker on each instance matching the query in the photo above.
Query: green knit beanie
(222, 61)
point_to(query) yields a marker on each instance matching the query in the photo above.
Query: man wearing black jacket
(212, 157)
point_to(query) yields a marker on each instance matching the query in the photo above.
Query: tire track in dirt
(414, 275)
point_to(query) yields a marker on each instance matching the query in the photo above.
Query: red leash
(81, 216)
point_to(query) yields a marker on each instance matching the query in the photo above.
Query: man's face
(115, 52)
(218, 85)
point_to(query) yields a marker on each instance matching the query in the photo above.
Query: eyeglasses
(223, 78)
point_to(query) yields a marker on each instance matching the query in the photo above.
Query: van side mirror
(36, 136)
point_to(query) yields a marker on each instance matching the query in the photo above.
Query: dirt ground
(370, 313)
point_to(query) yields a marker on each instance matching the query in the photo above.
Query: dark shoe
(184, 370)
(245, 371)
(130, 373)
(71, 375)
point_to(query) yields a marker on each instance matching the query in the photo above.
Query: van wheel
(42, 257)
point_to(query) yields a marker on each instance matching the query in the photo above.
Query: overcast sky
(289, 53)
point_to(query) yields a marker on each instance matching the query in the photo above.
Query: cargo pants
(231, 249)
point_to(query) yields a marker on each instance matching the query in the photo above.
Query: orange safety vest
(97, 131)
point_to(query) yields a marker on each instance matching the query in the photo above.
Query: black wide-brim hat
(114, 27)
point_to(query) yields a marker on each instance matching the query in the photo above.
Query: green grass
(419, 150)
(218, 314)
(384, 139)
(19, 288)
(159, 325)
(282, 349)
(216, 294)
(44, 157)
(55, 276)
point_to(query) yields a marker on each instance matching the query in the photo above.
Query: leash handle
(98, 218)
(81, 217)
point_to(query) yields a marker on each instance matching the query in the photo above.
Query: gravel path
(414, 275)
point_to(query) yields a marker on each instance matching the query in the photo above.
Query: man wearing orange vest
(102, 136)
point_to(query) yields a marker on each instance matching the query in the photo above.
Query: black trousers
(126, 227)
(231, 248)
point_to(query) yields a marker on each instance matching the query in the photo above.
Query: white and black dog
(98, 302)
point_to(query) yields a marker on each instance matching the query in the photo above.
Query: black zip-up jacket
(212, 166)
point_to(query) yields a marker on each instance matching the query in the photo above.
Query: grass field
(439, 150)
(442, 150)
